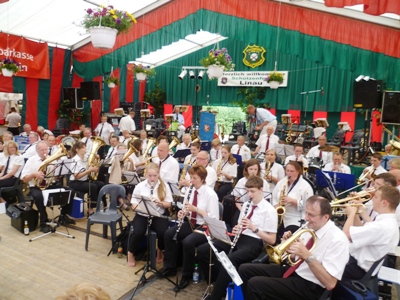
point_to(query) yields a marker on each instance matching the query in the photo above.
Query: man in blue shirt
(178, 117)
(263, 117)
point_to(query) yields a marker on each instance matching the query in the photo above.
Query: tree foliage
(156, 97)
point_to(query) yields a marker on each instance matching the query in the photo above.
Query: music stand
(238, 157)
(146, 204)
(283, 150)
(56, 197)
(341, 181)
(181, 154)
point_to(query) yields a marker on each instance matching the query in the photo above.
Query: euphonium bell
(93, 160)
(175, 142)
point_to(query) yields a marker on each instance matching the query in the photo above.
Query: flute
(239, 232)
(183, 213)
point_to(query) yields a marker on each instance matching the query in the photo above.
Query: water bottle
(26, 228)
(120, 250)
(196, 274)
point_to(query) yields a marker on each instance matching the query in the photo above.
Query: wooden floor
(45, 268)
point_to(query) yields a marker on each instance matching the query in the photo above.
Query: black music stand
(181, 154)
(146, 204)
(56, 197)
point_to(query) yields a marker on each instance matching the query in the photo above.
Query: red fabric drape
(376, 134)
(349, 117)
(296, 118)
(372, 7)
(114, 93)
(55, 85)
(187, 115)
(142, 90)
(32, 88)
(272, 111)
(320, 114)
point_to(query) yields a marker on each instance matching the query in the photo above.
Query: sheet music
(46, 194)
(174, 189)
(149, 207)
(217, 229)
(65, 167)
(131, 177)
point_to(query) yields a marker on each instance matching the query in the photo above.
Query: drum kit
(316, 163)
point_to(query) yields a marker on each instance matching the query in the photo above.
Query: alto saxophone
(219, 178)
(280, 209)
(180, 221)
(267, 169)
(184, 170)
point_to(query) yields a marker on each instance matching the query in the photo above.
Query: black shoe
(185, 280)
(45, 228)
(166, 272)
(67, 220)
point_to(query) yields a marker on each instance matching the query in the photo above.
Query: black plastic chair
(16, 188)
(337, 138)
(110, 217)
(353, 146)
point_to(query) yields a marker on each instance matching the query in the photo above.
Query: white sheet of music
(150, 204)
(217, 229)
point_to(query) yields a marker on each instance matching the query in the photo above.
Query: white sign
(251, 78)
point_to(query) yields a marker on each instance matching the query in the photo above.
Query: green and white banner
(251, 78)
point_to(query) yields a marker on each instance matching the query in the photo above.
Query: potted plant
(111, 81)
(142, 72)
(274, 79)
(217, 62)
(105, 23)
(9, 67)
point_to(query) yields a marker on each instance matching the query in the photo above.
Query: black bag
(353, 290)
(122, 239)
(230, 208)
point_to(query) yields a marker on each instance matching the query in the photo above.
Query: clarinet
(239, 232)
(183, 213)
(152, 188)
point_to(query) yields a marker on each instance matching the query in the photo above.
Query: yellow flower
(115, 17)
(112, 12)
(131, 16)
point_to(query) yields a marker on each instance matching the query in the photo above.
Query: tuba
(149, 145)
(175, 141)
(45, 183)
(93, 160)
(278, 254)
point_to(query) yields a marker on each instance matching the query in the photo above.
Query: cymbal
(329, 149)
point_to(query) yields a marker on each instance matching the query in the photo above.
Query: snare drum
(314, 164)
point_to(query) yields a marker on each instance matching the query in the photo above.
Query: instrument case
(21, 212)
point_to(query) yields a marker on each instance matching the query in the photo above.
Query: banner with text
(251, 78)
(33, 56)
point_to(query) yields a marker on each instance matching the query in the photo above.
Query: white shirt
(136, 159)
(331, 250)
(106, 129)
(89, 143)
(241, 192)
(182, 146)
(53, 149)
(111, 152)
(374, 240)
(314, 152)
(262, 142)
(207, 200)
(179, 118)
(301, 158)
(378, 170)
(31, 166)
(144, 145)
(125, 140)
(169, 171)
(15, 160)
(276, 171)
(231, 169)
(244, 152)
(215, 154)
(81, 166)
(210, 179)
(301, 192)
(13, 120)
(343, 168)
(144, 189)
(127, 123)
(264, 217)
(29, 150)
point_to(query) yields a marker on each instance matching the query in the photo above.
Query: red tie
(291, 270)
(194, 214)
(238, 151)
(267, 145)
(320, 154)
(159, 164)
(216, 155)
(252, 211)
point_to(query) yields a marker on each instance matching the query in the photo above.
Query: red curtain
(187, 115)
(376, 134)
(349, 117)
(296, 119)
(114, 93)
(372, 7)
(320, 115)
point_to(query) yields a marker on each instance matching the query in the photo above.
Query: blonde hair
(85, 291)
(161, 191)
(5, 149)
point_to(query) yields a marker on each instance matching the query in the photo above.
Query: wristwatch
(255, 231)
(310, 259)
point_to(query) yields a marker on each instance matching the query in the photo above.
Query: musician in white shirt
(201, 159)
(178, 117)
(30, 150)
(143, 137)
(297, 156)
(241, 149)
(266, 141)
(215, 152)
(125, 138)
(87, 132)
(337, 165)
(104, 130)
(51, 140)
(185, 142)
(127, 123)
(276, 171)
(169, 167)
(373, 170)
(316, 152)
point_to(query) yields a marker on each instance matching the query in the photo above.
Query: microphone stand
(307, 93)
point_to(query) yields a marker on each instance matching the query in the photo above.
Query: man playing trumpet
(318, 270)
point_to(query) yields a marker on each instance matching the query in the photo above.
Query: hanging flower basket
(141, 76)
(111, 85)
(215, 71)
(7, 73)
(274, 85)
(103, 37)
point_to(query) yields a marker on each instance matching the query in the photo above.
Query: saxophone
(280, 209)
(219, 178)
(93, 160)
(289, 134)
(45, 183)
(267, 169)
(185, 169)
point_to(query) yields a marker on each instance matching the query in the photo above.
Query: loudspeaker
(74, 97)
(391, 108)
(367, 94)
(90, 90)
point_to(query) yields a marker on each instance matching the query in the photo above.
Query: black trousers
(282, 229)
(247, 248)
(189, 241)
(261, 281)
(37, 196)
(13, 130)
(352, 271)
(159, 225)
(224, 189)
(91, 187)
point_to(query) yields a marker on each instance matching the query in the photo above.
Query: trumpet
(279, 253)
(336, 211)
(364, 175)
(339, 205)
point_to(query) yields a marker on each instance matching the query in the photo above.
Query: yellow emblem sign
(254, 56)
